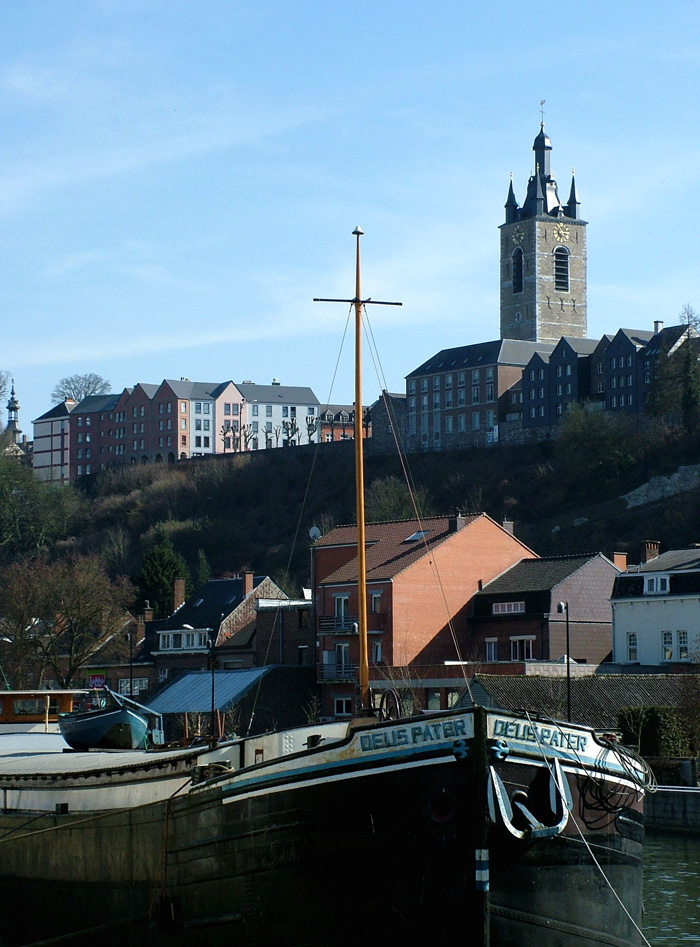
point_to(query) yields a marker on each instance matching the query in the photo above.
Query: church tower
(13, 429)
(543, 259)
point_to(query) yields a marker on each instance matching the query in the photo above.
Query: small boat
(121, 726)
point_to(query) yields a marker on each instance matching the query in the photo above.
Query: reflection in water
(672, 890)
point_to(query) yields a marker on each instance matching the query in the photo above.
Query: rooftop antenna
(542, 101)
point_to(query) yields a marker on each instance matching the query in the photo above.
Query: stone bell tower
(543, 259)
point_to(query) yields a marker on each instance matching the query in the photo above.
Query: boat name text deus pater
(531, 733)
(419, 734)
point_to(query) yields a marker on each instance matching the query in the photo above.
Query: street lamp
(563, 609)
(210, 644)
(130, 638)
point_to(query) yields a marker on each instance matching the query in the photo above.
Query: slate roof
(191, 692)
(60, 410)
(96, 403)
(204, 609)
(673, 559)
(500, 351)
(276, 394)
(536, 575)
(581, 346)
(388, 550)
(595, 699)
(191, 390)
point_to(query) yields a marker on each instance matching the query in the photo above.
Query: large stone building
(543, 259)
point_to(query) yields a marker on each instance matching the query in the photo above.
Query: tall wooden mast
(358, 302)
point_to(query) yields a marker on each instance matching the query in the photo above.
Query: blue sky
(178, 180)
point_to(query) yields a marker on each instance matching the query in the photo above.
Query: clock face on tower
(561, 232)
(518, 234)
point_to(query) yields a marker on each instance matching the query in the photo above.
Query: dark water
(672, 890)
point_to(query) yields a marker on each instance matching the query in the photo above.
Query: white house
(656, 610)
(278, 415)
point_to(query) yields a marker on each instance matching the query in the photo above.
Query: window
(492, 649)
(207, 407)
(183, 407)
(476, 420)
(436, 383)
(656, 585)
(475, 376)
(448, 399)
(521, 649)
(376, 652)
(412, 386)
(667, 646)
(561, 270)
(517, 270)
(507, 608)
(140, 684)
(183, 424)
(343, 706)
(375, 602)
(489, 392)
(227, 408)
(475, 395)
(341, 610)
(448, 424)
(436, 400)
(198, 407)
(632, 646)
(255, 410)
(683, 653)
(448, 381)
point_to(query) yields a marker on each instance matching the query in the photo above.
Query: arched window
(561, 270)
(518, 270)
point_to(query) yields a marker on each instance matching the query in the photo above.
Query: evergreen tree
(202, 569)
(161, 566)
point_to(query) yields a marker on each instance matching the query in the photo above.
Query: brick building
(420, 581)
(515, 617)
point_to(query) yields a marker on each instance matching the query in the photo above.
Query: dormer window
(656, 585)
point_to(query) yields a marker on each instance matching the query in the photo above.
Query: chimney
(509, 526)
(247, 582)
(148, 612)
(620, 560)
(178, 593)
(658, 326)
(455, 523)
(650, 550)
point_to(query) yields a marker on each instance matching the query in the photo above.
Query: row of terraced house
(177, 420)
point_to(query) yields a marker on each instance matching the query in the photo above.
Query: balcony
(347, 624)
(337, 672)
(338, 624)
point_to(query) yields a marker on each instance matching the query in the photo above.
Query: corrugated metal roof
(191, 692)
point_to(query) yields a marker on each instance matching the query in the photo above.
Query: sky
(178, 180)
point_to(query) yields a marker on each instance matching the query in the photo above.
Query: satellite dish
(314, 534)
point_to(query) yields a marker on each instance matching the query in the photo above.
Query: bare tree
(311, 427)
(4, 382)
(78, 387)
(57, 616)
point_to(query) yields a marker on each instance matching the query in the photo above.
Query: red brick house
(420, 581)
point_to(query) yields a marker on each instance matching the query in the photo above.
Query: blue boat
(119, 727)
